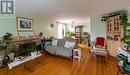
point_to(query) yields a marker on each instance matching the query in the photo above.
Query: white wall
(8, 24)
(128, 9)
(50, 31)
(86, 26)
(97, 27)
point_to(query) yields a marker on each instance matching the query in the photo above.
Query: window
(61, 30)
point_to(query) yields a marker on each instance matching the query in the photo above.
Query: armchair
(99, 48)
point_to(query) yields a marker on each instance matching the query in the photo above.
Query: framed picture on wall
(24, 24)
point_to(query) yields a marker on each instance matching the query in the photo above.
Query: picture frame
(24, 24)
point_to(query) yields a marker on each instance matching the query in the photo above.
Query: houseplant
(3, 45)
(67, 33)
(40, 34)
(31, 48)
(70, 34)
(7, 36)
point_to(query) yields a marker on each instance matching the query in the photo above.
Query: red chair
(100, 42)
(99, 47)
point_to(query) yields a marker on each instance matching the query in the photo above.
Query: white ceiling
(66, 9)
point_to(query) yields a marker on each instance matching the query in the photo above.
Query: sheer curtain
(61, 30)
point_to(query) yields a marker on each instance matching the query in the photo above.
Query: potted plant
(67, 33)
(72, 34)
(40, 34)
(7, 36)
(3, 45)
(31, 48)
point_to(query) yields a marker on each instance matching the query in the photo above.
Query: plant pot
(1, 61)
(33, 54)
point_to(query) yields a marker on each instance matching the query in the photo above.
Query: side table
(77, 54)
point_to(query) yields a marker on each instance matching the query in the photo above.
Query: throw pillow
(54, 42)
(69, 44)
(121, 51)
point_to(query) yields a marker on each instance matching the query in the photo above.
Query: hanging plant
(123, 16)
(124, 19)
(104, 18)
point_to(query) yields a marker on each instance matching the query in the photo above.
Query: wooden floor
(55, 65)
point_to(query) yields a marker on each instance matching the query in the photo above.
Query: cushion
(100, 41)
(54, 42)
(121, 51)
(51, 49)
(61, 42)
(99, 46)
(69, 44)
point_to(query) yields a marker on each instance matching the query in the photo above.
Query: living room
(62, 37)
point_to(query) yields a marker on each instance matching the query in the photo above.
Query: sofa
(61, 47)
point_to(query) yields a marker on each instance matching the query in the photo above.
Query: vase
(33, 54)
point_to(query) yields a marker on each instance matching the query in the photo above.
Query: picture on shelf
(24, 24)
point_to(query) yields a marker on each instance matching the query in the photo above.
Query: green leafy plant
(7, 36)
(40, 34)
(104, 18)
(26, 49)
(69, 33)
(30, 47)
(13, 48)
(72, 34)
(3, 44)
(126, 39)
(124, 19)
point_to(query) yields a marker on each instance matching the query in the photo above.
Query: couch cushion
(67, 52)
(51, 49)
(54, 42)
(72, 40)
(61, 42)
(69, 44)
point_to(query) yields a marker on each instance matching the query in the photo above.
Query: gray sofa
(60, 48)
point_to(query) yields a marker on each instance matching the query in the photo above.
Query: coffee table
(14, 64)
